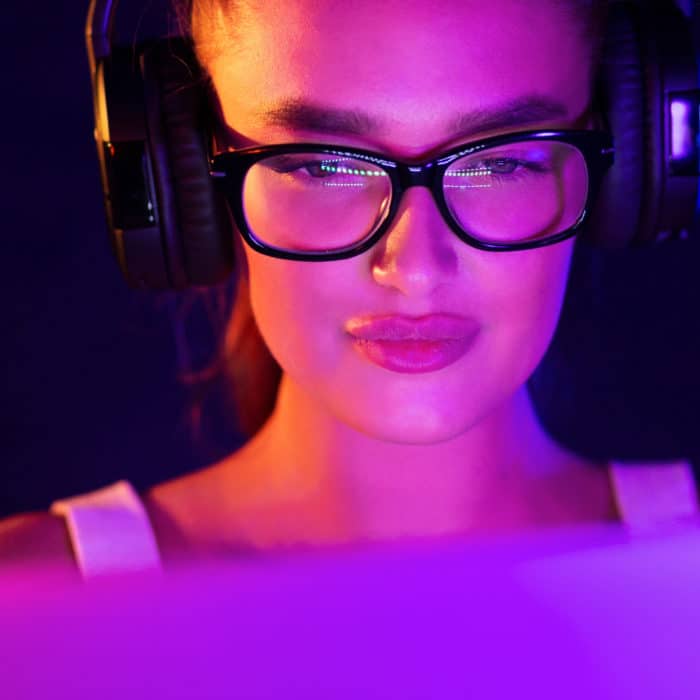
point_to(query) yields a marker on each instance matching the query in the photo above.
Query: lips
(413, 344)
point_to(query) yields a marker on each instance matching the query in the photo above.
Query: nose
(419, 252)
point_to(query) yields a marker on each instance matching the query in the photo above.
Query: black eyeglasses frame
(230, 168)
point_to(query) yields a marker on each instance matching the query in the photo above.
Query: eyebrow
(298, 115)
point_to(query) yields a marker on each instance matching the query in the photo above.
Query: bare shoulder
(190, 495)
(200, 495)
(225, 506)
(190, 510)
(32, 538)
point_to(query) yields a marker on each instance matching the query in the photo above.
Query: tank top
(110, 531)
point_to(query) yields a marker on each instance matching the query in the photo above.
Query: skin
(353, 450)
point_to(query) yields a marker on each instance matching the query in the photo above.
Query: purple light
(681, 132)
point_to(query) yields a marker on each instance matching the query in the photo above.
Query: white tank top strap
(109, 531)
(651, 493)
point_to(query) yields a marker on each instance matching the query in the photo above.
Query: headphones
(170, 228)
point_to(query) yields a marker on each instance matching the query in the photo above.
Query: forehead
(413, 65)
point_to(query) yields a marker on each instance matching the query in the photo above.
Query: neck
(494, 472)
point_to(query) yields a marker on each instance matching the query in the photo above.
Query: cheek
(298, 308)
(526, 298)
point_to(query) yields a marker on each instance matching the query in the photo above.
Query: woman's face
(412, 67)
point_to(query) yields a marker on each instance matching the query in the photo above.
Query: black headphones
(170, 229)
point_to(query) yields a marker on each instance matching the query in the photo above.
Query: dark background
(90, 393)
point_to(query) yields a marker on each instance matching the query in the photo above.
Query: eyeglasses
(319, 202)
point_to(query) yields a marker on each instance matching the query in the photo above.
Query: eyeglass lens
(512, 193)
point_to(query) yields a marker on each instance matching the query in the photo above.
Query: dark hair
(241, 361)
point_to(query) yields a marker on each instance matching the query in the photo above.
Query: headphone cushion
(615, 218)
(194, 222)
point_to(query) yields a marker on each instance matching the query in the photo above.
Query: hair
(241, 361)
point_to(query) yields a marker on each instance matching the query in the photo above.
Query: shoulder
(35, 538)
(188, 513)
(239, 503)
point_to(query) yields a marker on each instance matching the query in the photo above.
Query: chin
(419, 425)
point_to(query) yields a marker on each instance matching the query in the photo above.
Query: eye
(501, 166)
(504, 168)
(322, 170)
(304, 165)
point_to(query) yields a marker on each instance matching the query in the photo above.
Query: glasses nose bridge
(422, 175)
(418, 175)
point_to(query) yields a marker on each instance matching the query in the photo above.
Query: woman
(402, 409)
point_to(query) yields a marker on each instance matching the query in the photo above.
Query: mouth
(413, 344)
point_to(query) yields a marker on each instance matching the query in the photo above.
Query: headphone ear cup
(648, 87)
(195, 227)
(615, 218)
